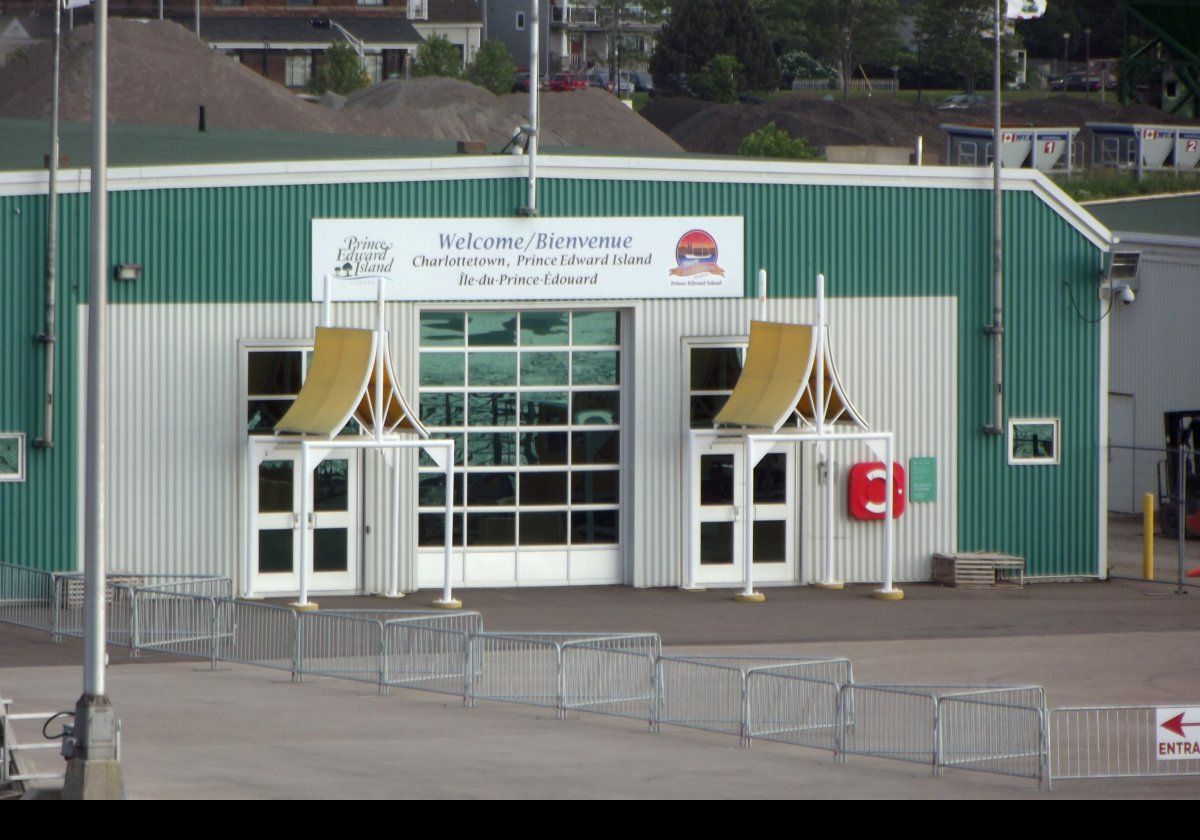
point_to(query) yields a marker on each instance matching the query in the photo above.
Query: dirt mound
(879, 121)
(158, 74)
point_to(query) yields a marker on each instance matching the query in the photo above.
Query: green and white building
(571, 400)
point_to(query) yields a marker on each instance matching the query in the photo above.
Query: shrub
(770, 141)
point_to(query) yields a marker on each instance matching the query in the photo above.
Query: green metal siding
(252, 244)
(37, 517)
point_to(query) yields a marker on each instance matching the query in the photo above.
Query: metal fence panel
(700, 693)
(994, 737)
(888, 722)
(257, 634)
(178, 623)
(431, 653)
(516, 668)
(611, 675)
(794, 710)
(341, 646)
(26, 597)
(1110, 742)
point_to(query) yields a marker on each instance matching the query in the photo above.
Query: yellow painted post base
(311, 606)
(888, 594)
(831, 586)
(452, 604)
(752, 598)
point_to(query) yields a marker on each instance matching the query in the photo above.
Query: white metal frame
(19, 475)
(1014, 461)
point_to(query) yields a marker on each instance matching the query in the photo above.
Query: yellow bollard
(1148, 536)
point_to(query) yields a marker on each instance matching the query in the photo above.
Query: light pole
(1087, 61)
(326, 23)
(1066, 50)
(94, 770)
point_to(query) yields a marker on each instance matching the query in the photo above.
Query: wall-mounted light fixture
(127, 272)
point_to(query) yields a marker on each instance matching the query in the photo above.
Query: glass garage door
(533, 401)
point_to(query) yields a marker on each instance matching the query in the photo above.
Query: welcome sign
(528, 258)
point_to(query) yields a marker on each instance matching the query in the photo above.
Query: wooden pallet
(978, 568)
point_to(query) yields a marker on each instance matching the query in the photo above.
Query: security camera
(1125, 292)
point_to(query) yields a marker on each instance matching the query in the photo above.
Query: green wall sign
(922, 479)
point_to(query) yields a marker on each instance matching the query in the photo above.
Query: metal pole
(394, 571)
(748, 520)
(197, 18)
(94, 770)
(325, 321)
(302, 601)
(1180, 515)
(1148, 536)
(819, 408)
(447, 600)
(996, 329)
(380, 344)
(535, 77)
(46, 337)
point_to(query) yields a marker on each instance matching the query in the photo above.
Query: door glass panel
(543, 328)
(597, 328)
(274, 551)
(273, 372)
(431, 529)
(594, 487)
(492, 369)
(596, 368)
(331, 485)
(601, 408)
(544, 488)
(442, 329)
(492, 329)
(596, 527)
(544, 408)
(715, 368)
(544, 528)
(769, 541)
(330, 550)
(596, 447)
(493, 409)
(544, 369)
(491, 489)
(491, 449)
(770, 480)
(275, 486)
(442, 369)
(716, 479)
(491, 528)
(716, 543)
(544, 448)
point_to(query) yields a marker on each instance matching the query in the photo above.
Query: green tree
(438, 57)
(340, 72)
(493, 68)
(956, 37)
(718, 81)
(770, 141)
(849, 33)
(699, 30)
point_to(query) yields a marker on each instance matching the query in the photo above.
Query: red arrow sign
(1176, 725)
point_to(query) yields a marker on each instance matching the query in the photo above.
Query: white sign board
(1177, 733)
(1024, 9)
(529, 259)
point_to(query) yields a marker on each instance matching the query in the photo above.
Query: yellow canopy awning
(341, 384)
(779, 381)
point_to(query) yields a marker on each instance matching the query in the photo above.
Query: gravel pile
(879, 121)
(159, 74)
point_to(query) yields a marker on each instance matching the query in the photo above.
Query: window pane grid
(534, 426)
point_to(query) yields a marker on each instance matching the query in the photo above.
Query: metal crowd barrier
(253, 633)
(26, 597)
(565, 671)
(1102, 742)
(713, 693)
(431, 652)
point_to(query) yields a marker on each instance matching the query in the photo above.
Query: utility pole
(93, 769)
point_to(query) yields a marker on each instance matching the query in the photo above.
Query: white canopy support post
(750, 460)
(888, 592)
(447, 600)
(819, 409)
(394, 566)
(828, 580)
(251, 505)
(380, 349)
(762, 294)
(303, 524)
(325, 316)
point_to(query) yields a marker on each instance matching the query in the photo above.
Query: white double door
(719, 505)
(329, 527)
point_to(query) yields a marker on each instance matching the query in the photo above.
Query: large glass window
(1033, 440)
(273, 379)
(533, 401)
(714, 371)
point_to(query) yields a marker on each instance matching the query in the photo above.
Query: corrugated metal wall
(251, 245)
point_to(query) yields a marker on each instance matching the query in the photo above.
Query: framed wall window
(521, 21)
(373, 65)
(1033, 440)
(12, 456)
(298, 69)
(713, 371)
(532, 399)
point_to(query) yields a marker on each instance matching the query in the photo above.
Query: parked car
(520, 83)
(567, 81)
(1076, 81)
(642, 82)
(963, 101)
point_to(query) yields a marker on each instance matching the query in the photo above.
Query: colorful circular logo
(696, 248)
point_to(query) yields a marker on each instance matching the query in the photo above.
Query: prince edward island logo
(695, 255)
